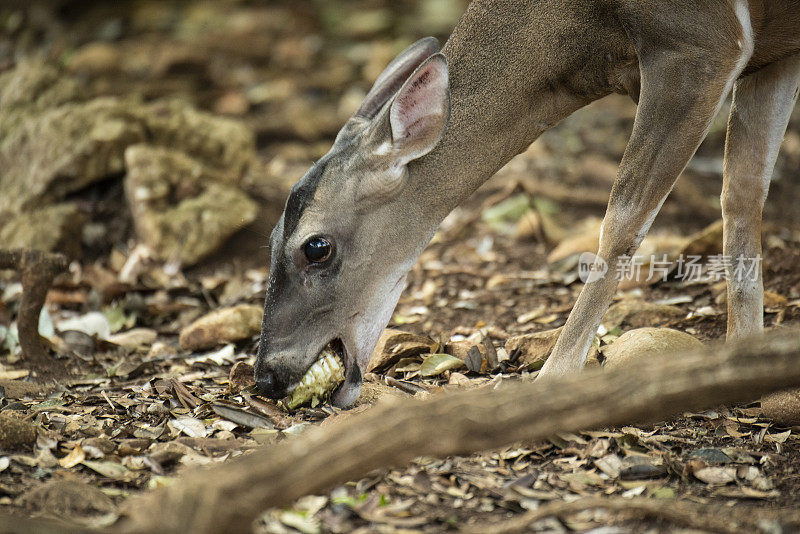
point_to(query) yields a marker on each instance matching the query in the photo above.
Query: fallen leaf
(75, 456)
(434, 364)
(92, 323)
(190, 426)
(14, 374)
(716, 475)
(222, 326)
(242, 417)
(395, 345)
(108, 469)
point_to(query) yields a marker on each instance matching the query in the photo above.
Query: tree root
(704, 517)
(37, 270)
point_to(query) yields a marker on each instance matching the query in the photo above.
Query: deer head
(352, 228)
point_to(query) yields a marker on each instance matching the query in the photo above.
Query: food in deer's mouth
(321, 379)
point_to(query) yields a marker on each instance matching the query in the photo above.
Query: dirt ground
(134, 413)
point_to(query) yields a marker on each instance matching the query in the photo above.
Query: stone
(61, 150)
(30, 87)
(134, 339)
(181, 209)
(56, 228)
(96, 58)
(534, 348)
(16, 433)
(68, 498)
(643, 343)
(783, 407)
(222, 326)
(223, 144)
(18, 389)
(53, 145)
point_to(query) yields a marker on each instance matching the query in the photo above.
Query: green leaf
(435, 364)
(118, 319)
(503, 215)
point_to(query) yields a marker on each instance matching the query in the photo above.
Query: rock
(534, 348)
(30, 87)
(644, 343)
(222, 326)
(53, 145)
(181, 209)
(394, 345)
(16, 433)
(241, 376)
(717, 476)
(460, 349)
(637, 313)
(68, 498)
(96, 58)
(783, 407)
(223, 144)
(17, 389)
(54, 228)
(136, 338)
(73, 146)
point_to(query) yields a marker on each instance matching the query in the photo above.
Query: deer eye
(317, 249)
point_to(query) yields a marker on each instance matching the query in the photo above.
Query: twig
(37, 270)
(705, 517)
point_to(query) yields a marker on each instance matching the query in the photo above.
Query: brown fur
(516, 68)
(675, 58)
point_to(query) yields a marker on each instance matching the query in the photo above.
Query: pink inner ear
(421, 102)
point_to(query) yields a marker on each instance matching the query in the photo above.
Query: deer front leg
(679, 98)
(762, 104)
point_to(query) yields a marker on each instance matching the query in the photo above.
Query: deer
(438, 123)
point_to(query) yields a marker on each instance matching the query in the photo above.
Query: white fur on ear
(421, 109)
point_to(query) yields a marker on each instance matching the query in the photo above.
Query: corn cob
(326, 373)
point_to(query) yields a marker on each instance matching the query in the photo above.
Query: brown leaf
(533, 348)
(394, 345)
(222, 326)
(240, 377)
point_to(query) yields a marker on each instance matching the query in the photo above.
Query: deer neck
(513, 76)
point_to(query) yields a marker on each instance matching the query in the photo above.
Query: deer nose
(267, 385)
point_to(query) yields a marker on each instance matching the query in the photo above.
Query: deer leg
(762, 104)
(679, 97)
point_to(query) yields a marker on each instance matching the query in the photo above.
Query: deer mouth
(322, 379)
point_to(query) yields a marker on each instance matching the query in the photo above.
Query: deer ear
(395, 74)
(419, 113)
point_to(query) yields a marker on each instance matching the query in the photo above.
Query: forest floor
(136, 408)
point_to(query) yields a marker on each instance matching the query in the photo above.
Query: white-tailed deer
(436, 125)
